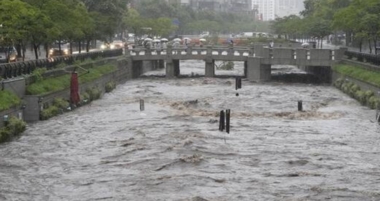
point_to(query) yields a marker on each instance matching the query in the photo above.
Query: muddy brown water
(109, 150)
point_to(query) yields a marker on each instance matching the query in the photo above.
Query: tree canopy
(359, 19)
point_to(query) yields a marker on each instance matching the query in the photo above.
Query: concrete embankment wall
(33, 103)
(362, 84)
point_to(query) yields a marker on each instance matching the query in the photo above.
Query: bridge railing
(363, 57)
(12, 70)
(325, 55)
(183, 50)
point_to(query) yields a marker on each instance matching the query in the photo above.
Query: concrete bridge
(257, 59)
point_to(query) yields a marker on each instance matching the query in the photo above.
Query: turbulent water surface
(109, 150)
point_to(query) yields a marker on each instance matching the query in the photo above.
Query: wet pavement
(110, 150)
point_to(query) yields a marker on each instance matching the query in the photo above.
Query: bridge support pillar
(172, 68)
(137, 69)
(154, 64)
(245, 69)
(176, 67)
(161, 64)
(210, 68)
(257, 71)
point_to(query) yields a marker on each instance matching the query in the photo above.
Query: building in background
(232, 6)
(266, 9)
(288, 7)
(270, 9)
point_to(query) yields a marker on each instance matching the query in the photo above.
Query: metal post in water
(228, 115)
(300, 106)
(238, 83)
(142, 106)
(221, 121)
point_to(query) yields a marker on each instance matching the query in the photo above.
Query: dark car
(8, 54)
(55, 51)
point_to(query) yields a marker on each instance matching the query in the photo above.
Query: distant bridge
(257, 59)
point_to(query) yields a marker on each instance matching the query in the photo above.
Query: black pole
(300, 106)
(221, 121)
(142, 107)
(228, 113)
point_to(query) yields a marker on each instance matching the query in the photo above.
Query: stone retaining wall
(34, 103)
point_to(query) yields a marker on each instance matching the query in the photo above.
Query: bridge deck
(271, 56)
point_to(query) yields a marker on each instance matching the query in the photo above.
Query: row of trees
(42, 22)
(190, 21)
(79, 22)
(358, 19)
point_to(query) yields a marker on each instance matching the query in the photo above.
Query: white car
(117, 44)
(7, 54)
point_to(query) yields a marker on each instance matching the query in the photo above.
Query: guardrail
(363, 57)
(183, 50)
(12, 70)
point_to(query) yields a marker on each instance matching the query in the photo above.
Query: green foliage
(8, 100)
(63, 82)
(93, 93)
(61, 65)
(38, 74)
(15, 127)
(374, 102)
(61, 103)
(49, 112)
(366, 98)
(110, 86)
(227, 65)
(359, 73)
(353, 89)
(85, 96)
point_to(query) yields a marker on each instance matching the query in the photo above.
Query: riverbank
(359, 83)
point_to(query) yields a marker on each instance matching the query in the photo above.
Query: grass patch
(8, 100)
(63, 82)
(359, 73)
(15, 127)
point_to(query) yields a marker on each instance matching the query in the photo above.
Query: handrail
(12, 70)
(363, 57)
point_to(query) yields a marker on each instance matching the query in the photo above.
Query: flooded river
(173, 150)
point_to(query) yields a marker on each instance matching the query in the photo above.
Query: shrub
(15, 127)
(360, 96)
(353, 89)
(338, 83)
(49, 112)
(227, 66)
(38, 74)
(94, 93)
(61, 103)
(373, 102)
(110, 86)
